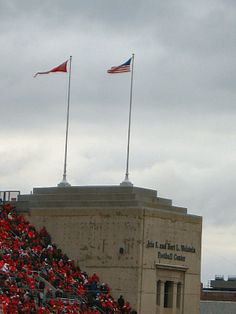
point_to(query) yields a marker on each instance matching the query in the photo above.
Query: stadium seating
(36, 277)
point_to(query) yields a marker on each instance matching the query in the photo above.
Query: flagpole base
(126, 182)
(63, 184)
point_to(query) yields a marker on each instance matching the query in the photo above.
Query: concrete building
(220, 297)
(220, 284)
(218, 307)
(146, 249)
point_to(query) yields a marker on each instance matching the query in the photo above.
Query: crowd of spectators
(36, 277)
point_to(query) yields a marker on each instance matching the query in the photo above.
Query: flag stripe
(125, 67)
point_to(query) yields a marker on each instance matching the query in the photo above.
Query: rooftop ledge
(96, 196)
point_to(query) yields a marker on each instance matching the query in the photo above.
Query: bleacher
(36, 277)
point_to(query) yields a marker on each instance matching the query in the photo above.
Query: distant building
(147, 249)
(9, 196)
(220, 297)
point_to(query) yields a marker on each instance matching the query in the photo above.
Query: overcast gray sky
(183, 136)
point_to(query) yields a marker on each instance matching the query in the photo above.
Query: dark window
(168, 294)
(158, 292)
(178, 299)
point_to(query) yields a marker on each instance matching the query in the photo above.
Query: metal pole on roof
(126, 181)
(64, 182)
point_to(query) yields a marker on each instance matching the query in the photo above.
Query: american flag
(125, 67)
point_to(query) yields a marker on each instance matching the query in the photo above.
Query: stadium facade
(147, 249)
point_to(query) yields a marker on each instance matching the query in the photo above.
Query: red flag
(60, 68)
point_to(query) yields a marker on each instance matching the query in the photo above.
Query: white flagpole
(126, 181)
(64, 182)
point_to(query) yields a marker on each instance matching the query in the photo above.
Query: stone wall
(132, 239)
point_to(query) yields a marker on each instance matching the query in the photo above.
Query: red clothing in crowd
(28, 255)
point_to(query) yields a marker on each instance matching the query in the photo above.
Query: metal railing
(9, 196)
